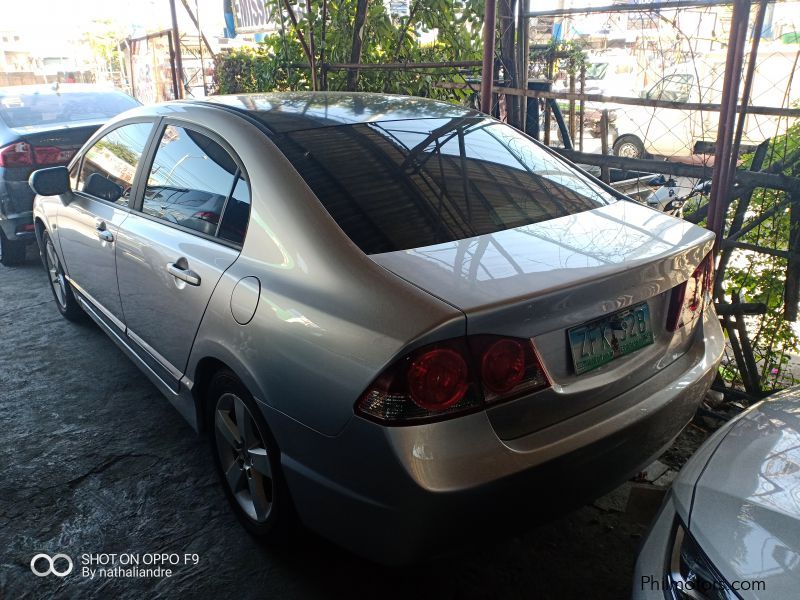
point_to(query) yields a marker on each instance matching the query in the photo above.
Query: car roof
(294, 111)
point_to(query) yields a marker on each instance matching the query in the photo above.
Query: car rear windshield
(34, 109)
(394, 185)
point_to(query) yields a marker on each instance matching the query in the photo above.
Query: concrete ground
(94, 460)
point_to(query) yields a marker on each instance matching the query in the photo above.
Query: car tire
(66, 303)
(629, 146)
(11, 252)
(247, 461)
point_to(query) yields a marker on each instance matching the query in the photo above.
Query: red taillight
(509, 367)
(690, 298)
(50, 155)
(17, 154)
(451, 378)
(438, 379)
(503, 366)
(26, 228)
(206, 215)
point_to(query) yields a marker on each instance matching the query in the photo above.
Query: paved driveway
(94, 460)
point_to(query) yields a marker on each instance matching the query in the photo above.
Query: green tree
(276, 65)
(103, 36)
(756, 277)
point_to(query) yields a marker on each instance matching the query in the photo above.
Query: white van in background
(611, 74)
(637, 131)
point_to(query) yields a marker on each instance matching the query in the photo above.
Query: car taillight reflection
(51, 155)
(690, 298)
(22, 154)
(17, 154)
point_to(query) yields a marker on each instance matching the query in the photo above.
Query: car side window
(190, 180)
(674, 88)
(108, 167)
(237, 213)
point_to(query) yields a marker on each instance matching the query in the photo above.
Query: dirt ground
(94, 460)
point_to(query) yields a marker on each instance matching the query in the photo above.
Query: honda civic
(402, 322)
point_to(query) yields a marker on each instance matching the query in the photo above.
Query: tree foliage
(279, 63)
(756, 277)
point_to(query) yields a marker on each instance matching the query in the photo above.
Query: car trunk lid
(541, 280)
(49, 146)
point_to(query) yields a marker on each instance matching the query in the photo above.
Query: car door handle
(103, 233)
(186, 275)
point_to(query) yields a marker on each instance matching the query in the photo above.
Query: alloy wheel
(243, 457)
(56, 274)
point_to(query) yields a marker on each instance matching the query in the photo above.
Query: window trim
(136, 176)
(149, 157)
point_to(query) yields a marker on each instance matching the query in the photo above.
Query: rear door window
(194, 181)
(109, 166)
(237, 213)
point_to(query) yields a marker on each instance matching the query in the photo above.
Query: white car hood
(746, 510)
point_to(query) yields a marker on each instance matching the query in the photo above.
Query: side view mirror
(52, 181)
(102, 187)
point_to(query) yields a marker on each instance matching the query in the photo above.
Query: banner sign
(252, 16)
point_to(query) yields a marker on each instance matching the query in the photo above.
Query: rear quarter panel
(328, 319)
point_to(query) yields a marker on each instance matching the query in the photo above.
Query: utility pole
(177, 65)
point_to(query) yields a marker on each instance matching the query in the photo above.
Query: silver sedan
(402, 322)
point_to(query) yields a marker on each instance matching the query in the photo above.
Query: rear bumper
(16, 209)
(398, 494)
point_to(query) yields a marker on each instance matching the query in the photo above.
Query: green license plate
(600, 341)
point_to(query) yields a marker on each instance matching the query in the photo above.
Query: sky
(48, 23)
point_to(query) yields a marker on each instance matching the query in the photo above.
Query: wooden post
(738, 220)
(582, 112)
(130, 58)
(487, 70)
(177, 64)
(312, 50)
(749, 365)
(549, 74)
(730, 91)
(605, 172)
(571, 120)
(523, 58)
(791, 290)
(508, 58)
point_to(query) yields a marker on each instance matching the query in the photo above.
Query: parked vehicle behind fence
(637, 131)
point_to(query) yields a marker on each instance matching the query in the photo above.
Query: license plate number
(598, 342)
